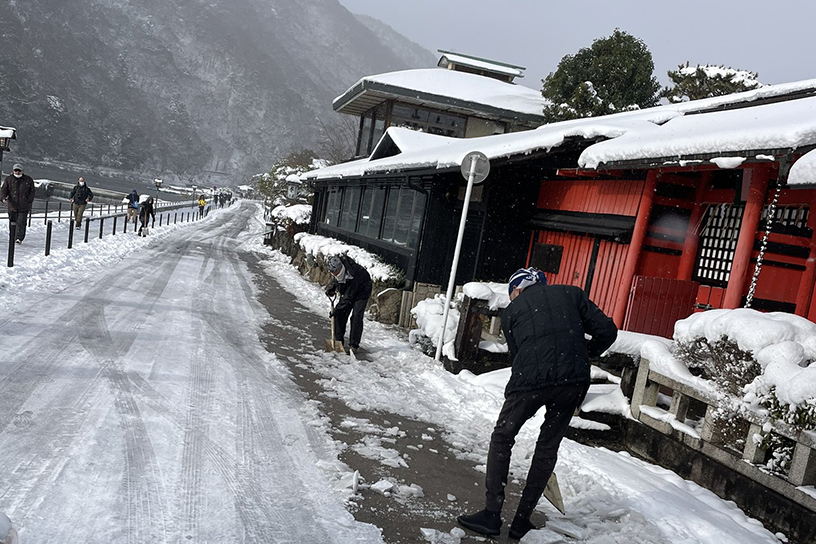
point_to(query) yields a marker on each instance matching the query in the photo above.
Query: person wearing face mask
(80, 195)
(18, 192)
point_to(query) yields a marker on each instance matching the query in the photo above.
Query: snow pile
(803, 171)
(314, 244)
(300, 214)
(783, 344)
(428, 314)
(494, 293)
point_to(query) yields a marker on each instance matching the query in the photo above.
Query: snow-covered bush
(763, 362)
(428, 314)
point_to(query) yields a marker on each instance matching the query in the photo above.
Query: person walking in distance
(146, 211)
(18, 192)
(132, 201)
(201, 203)
(545, 328)
(80, 195)
(353, 283)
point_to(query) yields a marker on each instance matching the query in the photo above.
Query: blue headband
(525, 277)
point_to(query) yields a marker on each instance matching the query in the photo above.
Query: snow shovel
(332, 344)
(553, 493)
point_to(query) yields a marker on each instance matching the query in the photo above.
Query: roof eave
(351, 102)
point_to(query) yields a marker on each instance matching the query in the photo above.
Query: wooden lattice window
(718, 243)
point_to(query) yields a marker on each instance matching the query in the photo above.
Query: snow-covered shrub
(762, 362)
(721, 361)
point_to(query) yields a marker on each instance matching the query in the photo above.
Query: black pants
(21, 220)
(561, 402)
(356, 310)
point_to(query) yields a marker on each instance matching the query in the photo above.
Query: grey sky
(772, 38)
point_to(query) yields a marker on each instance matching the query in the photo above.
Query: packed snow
(139, 322)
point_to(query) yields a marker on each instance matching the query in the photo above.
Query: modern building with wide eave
(655, 213)
(464, 97)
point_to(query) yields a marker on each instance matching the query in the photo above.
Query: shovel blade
(553, 493)
(334, 346)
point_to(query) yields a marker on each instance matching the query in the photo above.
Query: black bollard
(101, 226)
(59, 213)
(114, 226)
(87, 230)
(48, 238)
(71, 235)
(12, 239)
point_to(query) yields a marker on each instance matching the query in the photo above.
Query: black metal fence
(103, 219)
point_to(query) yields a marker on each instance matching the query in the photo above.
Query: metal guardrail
(105, 213)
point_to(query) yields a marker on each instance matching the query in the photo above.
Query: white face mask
(82, 183)
(18, 175)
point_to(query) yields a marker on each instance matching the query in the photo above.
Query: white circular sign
(482, 166)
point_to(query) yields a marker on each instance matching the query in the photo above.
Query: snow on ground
(609, 496)
(134, 408)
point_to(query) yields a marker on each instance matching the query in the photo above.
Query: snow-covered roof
(444, 89)
(722, 127)
(8, 132)
(449, 57)
(736, 133)
(803, 171)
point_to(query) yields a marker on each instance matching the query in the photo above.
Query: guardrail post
(45, 220)
(803, 465)
(645, 391)
(101, 226)
(71, 235)
(752, 452)
(175, 218)
(12, 239)
(87, 230)
(160, 219)
(48, 238)
(59, 213)
(114, 226)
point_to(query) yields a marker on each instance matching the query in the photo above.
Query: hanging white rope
(768, 225)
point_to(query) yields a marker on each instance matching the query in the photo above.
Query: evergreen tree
(273, 185)
(707, 80)
(613, 74)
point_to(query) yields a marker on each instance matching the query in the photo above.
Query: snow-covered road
(137, 405)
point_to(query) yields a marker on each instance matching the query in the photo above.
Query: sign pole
(477, 167)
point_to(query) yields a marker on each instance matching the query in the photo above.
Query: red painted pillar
(635, 247)
(692, 241)
(805, 292)
(741, 266)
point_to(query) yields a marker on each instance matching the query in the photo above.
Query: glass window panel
(372, 211)
(390, 219)
(416, 219)
(333, 206)
(403, 221)
(348, 219)
(363, 148)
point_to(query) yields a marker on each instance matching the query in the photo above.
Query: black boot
(520, 527)
(484, 522)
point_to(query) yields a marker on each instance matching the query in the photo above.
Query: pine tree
(613, 74)
(707, 80)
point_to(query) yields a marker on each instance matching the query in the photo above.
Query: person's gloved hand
(331, 313)
(330, 291)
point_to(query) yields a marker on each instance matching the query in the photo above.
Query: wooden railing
(710, 439)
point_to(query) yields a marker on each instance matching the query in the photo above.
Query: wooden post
(759, 179)
(645, 392)
(635, 247)
(469, 331)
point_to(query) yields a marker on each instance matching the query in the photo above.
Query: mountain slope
(193, 89)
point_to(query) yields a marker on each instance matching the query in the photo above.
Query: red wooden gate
(656, 303)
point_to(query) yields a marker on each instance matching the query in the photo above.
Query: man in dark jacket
(80, 195)
(353, 283)
(146, 212)
(18, 192)
(544, 326)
